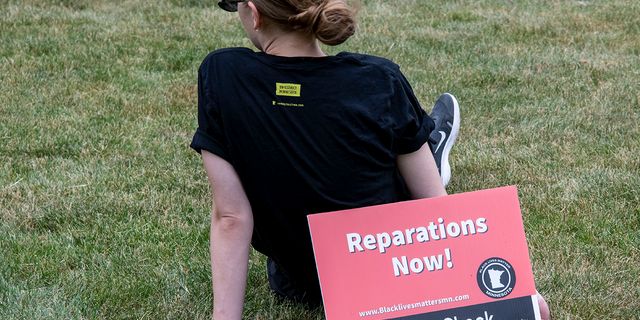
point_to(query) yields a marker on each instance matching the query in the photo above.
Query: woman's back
(307, 135)
(288, 131)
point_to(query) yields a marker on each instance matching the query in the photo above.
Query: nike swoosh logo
(443, 136)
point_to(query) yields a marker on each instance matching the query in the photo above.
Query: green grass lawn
(104, 209)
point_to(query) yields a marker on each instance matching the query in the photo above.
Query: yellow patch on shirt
(288, 89)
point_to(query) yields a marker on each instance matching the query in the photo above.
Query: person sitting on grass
(288, 131)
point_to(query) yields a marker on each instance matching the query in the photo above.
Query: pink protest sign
(458, 257)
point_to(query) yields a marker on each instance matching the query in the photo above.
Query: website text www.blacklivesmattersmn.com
(421, 304)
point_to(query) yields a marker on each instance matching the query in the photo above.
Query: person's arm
(231, 230)
(420, 173)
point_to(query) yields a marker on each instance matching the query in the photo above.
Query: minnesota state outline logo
(496, 278)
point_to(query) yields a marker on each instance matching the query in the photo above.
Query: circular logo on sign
(496, 278)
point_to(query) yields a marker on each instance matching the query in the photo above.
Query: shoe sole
(445, 168)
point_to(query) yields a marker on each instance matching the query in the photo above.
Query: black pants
(287, 288)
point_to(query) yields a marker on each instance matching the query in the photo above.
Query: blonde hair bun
(331, 21)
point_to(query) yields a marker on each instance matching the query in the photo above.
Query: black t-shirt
(307, 135)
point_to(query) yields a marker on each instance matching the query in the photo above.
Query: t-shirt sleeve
(210, 133)
(411, 123)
